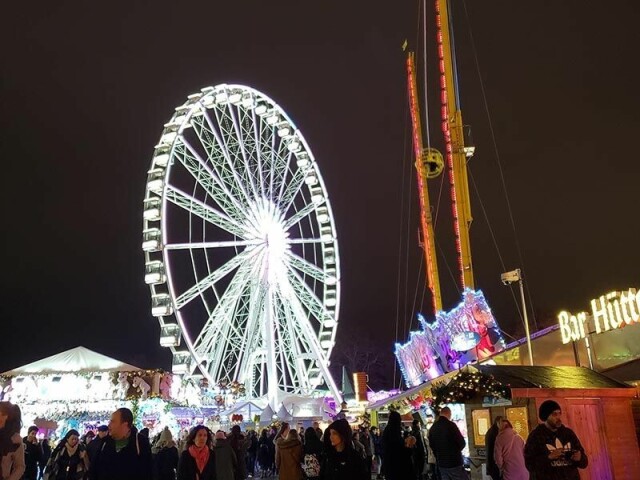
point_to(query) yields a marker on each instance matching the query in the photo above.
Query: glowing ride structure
(240, 245)
(469, 332)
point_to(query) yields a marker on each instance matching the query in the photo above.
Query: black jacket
(93, 448)
(187, 467)
(32, 458)
(132, 462)
(447, 443)
(165, 463)
(490, 441)
(345, 465)
(397, 464)
(536, 454)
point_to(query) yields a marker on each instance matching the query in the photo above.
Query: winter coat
(132, 462)
(188, 469)
(61, 466)
(397, 463)
(490, 441)
(509, 455)
(32, 458)
(93, 448)
(541, 441)
(345, 465)
(165, 463)
(12, 464)
(289, 458)
(447, 443)
(240, 444)
(264, 453)
(226, 461)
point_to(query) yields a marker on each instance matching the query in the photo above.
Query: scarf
(200, 455)
(71, 451)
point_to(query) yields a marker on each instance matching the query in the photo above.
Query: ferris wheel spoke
(218, 154)
(299, 215)
(296, 341)
(256, 306)
(241, 139)
(279, 169)
(210, 214)
(225, 144)
(288, 195)
(221, 272)
(208, 179)
(306, 267)
(297, 241)
(258, 150)
(222, 244)
(307, 297)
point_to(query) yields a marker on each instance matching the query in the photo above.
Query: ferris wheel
(240, 246)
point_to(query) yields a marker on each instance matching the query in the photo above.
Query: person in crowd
(490, 440)
(316, 427)
(145, 432)
(376, 440)
(357, 444)
(87, 438)
(509, 453)
(312, 458)
(32, 454)
(124, 454)
(46, 455)
(418, 452)
(182, 443)
(397, 457)
(165, 456)
(263, 456)
(96, 444)
(240, 444)
(12, 464)
(226, 461)
(198, 461)
(432, 473)
(553, 451)
(273, 433)
(367, 442)
(447, 443)
(69, 460)
(252, 453)
(341, 461)
(289, 457)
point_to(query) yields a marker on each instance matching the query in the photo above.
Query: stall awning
(548, 377)
(79, 359)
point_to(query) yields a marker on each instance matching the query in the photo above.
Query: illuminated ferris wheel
(240, 246)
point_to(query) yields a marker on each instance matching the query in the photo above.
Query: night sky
(85, 88)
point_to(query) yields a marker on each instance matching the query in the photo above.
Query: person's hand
(555, 454)
(577, 456)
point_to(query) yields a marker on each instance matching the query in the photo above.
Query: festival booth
(596, 407)
(80, 388)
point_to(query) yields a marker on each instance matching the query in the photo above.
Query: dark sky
(86, 87)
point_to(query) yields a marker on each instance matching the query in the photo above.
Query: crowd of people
(120, 452)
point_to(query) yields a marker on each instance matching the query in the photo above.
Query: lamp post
(516, 276)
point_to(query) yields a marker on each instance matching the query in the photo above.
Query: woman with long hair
(341, 461)
(197, 462)
(289, 457)
(12, 464)
(165, 456)
(509, 453)
(69, 460)
(313, 449)
(397, 464)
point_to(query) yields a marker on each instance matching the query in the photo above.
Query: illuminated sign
(465, 334)
(608, 312)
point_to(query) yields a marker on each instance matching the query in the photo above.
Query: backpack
(311, 465)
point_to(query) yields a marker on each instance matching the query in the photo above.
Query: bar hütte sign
(608, 312)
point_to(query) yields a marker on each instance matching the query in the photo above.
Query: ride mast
(456, 154)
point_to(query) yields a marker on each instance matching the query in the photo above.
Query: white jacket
(12, 464)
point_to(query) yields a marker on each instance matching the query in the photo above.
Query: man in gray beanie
(553, 451)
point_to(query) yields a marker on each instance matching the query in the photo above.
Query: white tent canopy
(79, 359)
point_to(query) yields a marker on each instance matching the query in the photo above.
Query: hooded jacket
(345, 465)
(509, 455)
(12, 463)
(543, 440)
(226, 461)
(289, 459)
(132, 462)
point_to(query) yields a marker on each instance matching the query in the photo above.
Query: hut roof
(548, 377)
